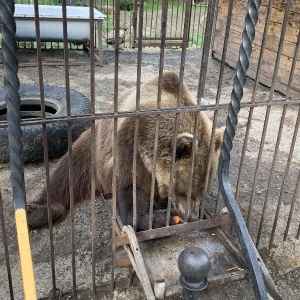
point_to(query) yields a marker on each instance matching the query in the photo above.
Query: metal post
(12, 99)
(242, 67)
(194, 264)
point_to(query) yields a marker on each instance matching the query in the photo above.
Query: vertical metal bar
(181, 75)
(70, 142)
(193, 21)
(202, 78)
(161, 67)
(100, 47)
(5, 245)
(134, 20)
(206, 48)
(182, 14)
(242, 66)
(146, 18)
(107, 21)
(189, 193)
(195, 132)
(204, 16)
(171, 23)
(296, 55)
(152, 18)
(45, 143)
(218, 198)
(292, 208)
(93, 141)
(156, 16)
(274, 161)
(176, 22)
(250, 115)
(115, 140)
(284, 26)
(218, 97)
(13, 102)
(130, 22)
(138, 95)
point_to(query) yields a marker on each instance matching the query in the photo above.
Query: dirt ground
(283, 260)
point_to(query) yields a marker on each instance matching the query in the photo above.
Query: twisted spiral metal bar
(247, 245)
(11, 85)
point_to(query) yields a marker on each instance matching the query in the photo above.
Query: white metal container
(51, 24)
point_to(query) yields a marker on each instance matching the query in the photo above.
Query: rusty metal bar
(159, 91)
(141, 12)
(52, 64)
(134, 21)
(138, 95)
(218, 97)
(115, 138)
(204, 64)
(204, 22)
(188, 203)
(166, 39)
(99, 60)
(181, 75)
(206, 49)
(5, 245)
(70, 150)
(158, 44)
(107, 115)
(172, 14)
(292, 209)
(268, 110)
(274, 161)
(191, 171)
(280, 48)
(45, 145)
(93, 143)
(156, 19)
(177, 12)
(202, 79)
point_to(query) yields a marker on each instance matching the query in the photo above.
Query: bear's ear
(219, 138)
(184, 145)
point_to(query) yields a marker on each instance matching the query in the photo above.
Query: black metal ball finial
(194, 264)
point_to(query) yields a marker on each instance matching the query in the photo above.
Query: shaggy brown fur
(59, 181)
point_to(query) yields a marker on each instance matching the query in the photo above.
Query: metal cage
(257, 192)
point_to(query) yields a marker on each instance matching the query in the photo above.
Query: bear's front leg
(125, 209)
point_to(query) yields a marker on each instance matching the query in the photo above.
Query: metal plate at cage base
(161, 255)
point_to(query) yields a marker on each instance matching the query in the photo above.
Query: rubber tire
(32, 138)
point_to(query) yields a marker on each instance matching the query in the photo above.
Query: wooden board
(273, 57)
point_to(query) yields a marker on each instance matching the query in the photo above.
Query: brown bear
(59, 180)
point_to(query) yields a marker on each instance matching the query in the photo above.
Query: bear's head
(187, 165)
